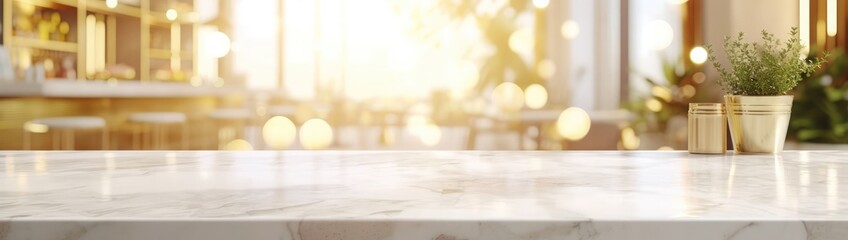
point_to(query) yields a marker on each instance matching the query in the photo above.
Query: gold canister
(707, 128)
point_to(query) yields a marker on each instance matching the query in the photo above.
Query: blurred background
(391, 74)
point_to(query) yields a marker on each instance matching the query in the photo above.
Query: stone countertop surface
(422, 195)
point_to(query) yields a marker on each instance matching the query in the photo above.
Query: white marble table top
(461, 187)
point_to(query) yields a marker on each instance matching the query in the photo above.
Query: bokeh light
(659, 34)
(699, 77)
(546, 69)
(171, 14)
(521, 41)
(238, 145)
(111, 3)
(535, 96)
(698, 55)
(279, 132)
(508, 97)
(629, 140)
(466, 74)
(831, 17)
(654, 105)
(430, 134)
(216, 44)
(316, 134)
(661, 92)
(541, 3)
(569, 29)
(573, 123)
(35, 127)
(415, 124)
(688, 91)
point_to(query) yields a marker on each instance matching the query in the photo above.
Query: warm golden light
(216, 44)
(678, 2)
(238, 145)
(430, 134)
(90, 46)
(629, 140)
(64, 28)
(546, 69)
(698, 55)
(688, 91)
(415, 124)
(279, 132)
(508, 97)
(660, 34)
(541, 3)
(49, 65)
(654, 105)
(661, 92)
(466, 75)
(831, 18)
(521, 41)
(36, 127)
(665, 148)
(535, 96)
(699, 77)
(316, 134)
(171, 14)
(573, 123)
(804, 25)
(27, 9)
(569, 29)
(111, 3)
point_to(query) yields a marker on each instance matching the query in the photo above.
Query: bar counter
(115, 89)
(422, 195)
(114, 101)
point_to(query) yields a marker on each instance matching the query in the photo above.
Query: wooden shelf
(50, 3)
(122, 9)
(123, 23)
(44, 44)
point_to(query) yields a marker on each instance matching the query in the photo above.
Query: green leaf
(833, 94)
(801, 123)
(840, 129)
(807, 134)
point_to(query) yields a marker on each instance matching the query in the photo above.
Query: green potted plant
(760, 75)
(820, 109)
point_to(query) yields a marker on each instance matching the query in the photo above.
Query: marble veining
(422, 195)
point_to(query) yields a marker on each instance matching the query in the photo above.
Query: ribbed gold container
(707, 128)
(758, 123)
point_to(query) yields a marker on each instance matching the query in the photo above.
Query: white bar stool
(234, 120)
(285, 111)
(156, 124)
(63, 129)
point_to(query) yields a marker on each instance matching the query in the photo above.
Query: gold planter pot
(758, 123)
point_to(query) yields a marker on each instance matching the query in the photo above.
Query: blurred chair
(536, 119)
(230, 123)
(489, 123)
(63, 129)
(155, 126)
(605, 133)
